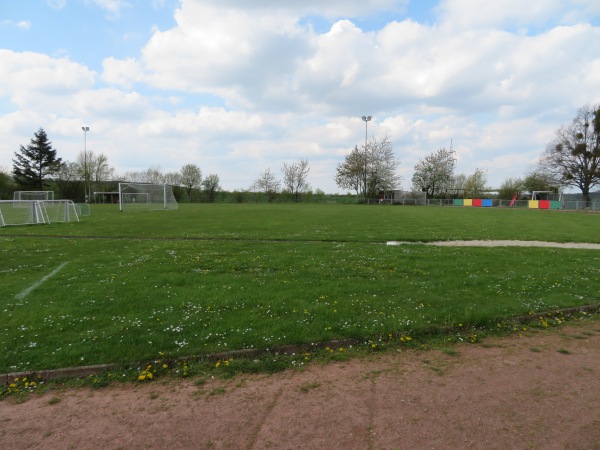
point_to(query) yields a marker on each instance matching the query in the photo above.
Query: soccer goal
(33, 195)
(61, 210)
(22, 212)
(146, 197)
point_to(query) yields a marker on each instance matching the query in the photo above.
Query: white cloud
(239, 86)
(32, 80)
(57, 4)
(121, 72)
(113, 7)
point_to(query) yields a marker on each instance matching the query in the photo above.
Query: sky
(241, 86)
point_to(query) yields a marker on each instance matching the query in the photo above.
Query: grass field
(122, 287)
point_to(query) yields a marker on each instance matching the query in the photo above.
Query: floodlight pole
(366, 119)
(85, 167)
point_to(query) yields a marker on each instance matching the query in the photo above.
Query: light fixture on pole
(85, 167)
(366, 120)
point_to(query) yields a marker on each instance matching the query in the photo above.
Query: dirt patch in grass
(506, 243)
(537, 389)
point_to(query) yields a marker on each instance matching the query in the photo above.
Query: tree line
(38, 167)
(571, 159)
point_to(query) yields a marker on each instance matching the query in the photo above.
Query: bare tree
(172, 178)
(573, 157)
(152, 175)
(93, 169)
(294, 177)
(268, 184)
(191, 177)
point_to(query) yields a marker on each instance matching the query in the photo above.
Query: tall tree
(369, 170)
(573, 157)
(268, 184)
(6, 183)
(475, 184)
(511, 187)
(94, 170)
(70, 181)
(349, 174)
(211, 186)
(191, 177)
(36, 163)
(294, 177)
(434, 175)
(539, 180)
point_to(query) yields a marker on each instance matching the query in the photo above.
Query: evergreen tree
(36, 162)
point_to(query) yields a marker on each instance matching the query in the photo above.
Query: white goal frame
(146, 197)
(22, 212)
(61, 210)
(33, 195)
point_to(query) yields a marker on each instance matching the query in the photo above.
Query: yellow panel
(468, 202)
(534, 204)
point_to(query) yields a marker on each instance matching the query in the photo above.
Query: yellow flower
(218, 364)
(142, 377)
(164, 366)
(149, 376)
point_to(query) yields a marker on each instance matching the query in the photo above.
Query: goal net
(22, 212)
(61, 210)
(33, 195)
(146, 197)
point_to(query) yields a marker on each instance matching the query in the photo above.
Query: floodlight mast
(85, 167)
(366, 119)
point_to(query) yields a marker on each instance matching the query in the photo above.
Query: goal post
(146, 197)
(22, 212)
(61, 210)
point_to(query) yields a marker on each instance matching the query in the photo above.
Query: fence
(523, 204)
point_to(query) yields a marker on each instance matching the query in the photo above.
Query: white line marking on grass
(21, 295)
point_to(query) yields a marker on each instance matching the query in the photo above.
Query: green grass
(210, 278)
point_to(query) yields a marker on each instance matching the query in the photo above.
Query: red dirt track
(537, 390)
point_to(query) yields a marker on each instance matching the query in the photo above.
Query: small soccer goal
(33, 195)
(146, 197)
(61, 210)
(22, 212)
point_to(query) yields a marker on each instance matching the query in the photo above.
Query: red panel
(544, 204)
(476, 202)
